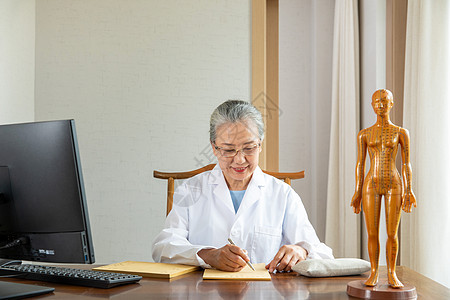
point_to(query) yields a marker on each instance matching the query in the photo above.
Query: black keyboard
(98, 279)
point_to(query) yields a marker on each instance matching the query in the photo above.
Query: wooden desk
(282, 286)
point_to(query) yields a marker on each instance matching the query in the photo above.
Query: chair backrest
(171, 176)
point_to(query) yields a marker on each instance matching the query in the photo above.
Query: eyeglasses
(247, 150)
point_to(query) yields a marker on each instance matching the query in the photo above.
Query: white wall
(306, 49)
(141, 79)
(17, 34)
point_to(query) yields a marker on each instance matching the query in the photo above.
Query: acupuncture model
(383, 180)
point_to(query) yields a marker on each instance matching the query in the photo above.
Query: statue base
(382, 290)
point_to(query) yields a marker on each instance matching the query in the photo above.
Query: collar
(216, 177)
(221, 191)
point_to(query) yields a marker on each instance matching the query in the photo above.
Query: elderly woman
(262, 215)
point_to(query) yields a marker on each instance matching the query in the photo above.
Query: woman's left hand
(286, 258)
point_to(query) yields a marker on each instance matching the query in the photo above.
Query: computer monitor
(43, 211)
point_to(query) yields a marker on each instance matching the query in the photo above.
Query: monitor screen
(43, 211)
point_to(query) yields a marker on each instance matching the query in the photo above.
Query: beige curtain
(425, 233)
(342, 225)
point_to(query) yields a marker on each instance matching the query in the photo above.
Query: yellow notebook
(260, 273)
(148, 269)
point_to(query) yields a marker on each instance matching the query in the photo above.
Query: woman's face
(238, 169)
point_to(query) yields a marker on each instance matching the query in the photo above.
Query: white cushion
(332, 267)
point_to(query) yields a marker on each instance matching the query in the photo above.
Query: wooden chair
(171, 176)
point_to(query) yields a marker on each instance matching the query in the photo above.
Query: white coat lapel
(220, 189)
(254, 192)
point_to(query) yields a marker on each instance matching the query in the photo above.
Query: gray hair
(233, 111)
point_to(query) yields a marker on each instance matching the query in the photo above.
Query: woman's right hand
(356, 203)
(228, 258)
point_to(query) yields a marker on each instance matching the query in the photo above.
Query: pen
(248, 263)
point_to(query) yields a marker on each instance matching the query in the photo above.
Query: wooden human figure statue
(383, 180)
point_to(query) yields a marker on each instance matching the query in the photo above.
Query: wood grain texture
(283, 285)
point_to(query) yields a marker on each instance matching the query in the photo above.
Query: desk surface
(282, 286)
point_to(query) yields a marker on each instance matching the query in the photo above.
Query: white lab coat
(271, 215)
